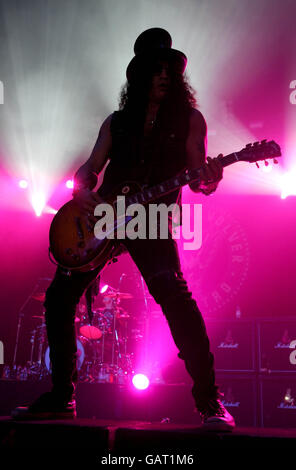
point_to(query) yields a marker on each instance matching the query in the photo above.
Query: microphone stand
(115, 333)
(20, 318)
(146, 318)
(90, 294)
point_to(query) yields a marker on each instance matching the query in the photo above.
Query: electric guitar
(73, 244)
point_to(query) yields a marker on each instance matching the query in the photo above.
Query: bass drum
(80, 356)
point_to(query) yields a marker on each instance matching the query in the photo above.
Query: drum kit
(103, 354)
(104, 338)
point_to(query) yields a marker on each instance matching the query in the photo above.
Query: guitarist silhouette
(156, 134)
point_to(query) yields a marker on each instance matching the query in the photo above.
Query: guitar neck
(188, 176)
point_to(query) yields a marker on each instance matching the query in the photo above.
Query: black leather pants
(158, 262)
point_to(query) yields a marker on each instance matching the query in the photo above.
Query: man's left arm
(196, 149)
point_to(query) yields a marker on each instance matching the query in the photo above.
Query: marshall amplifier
(277, 345)
(278, 401)
(240, 397)
(233, 345)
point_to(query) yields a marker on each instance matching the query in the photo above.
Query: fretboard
(188, 176)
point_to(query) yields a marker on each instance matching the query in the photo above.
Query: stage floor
(116, 425)
(134, 444)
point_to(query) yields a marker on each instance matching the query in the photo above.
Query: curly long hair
(134, 96)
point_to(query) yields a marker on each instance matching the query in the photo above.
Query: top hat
(155, 43)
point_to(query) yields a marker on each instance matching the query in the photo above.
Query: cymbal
(40, 296)
(102, 309)
(120, 295)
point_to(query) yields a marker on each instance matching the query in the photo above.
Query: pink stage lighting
(23, 184)
(70, 184)
(104, 288)
(140, 381)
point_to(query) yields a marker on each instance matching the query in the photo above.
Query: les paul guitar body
(72, 242)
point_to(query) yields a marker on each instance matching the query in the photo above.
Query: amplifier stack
(255, 363)
(256, 369)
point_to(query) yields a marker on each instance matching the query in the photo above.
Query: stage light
(140, 381)
(104, 288)
(70, 184)
(288, 184)
(38, 203)
(23, 184)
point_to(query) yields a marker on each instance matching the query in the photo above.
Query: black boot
(47, 406)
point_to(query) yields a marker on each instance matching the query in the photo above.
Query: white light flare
(23, 184)
(49, 210)
(38, 202)
(140, 381)
(267, 168)
(69, 184)
(288, 184)
(104, 288)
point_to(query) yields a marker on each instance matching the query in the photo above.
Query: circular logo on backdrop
(216, 272)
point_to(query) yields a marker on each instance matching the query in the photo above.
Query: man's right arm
(86, 176)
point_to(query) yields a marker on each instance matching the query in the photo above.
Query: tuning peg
(257, 165)
(255, 144)
(263, 141)
(275, 161)
(266, 163)
(248, 146)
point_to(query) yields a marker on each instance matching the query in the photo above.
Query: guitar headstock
(259, 151)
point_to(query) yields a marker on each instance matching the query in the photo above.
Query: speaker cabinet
(278, 401)
(277, 346)
(240, 397)
(233, 345)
